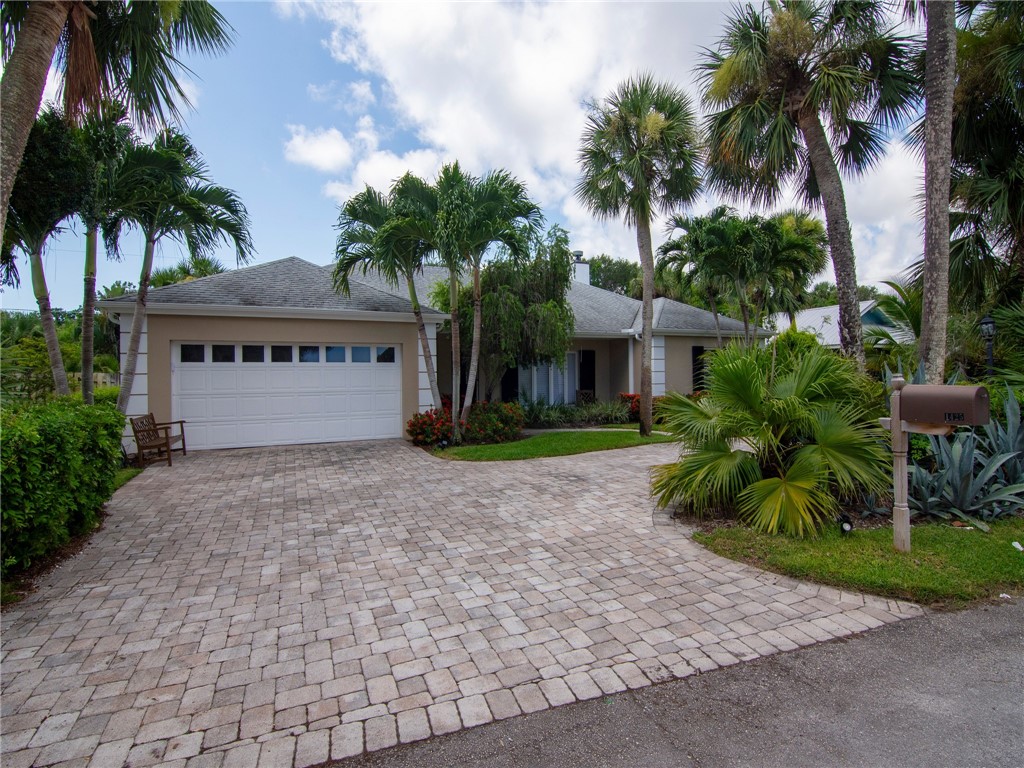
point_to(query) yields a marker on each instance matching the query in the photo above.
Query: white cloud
(503, 86)
(53, 90)
(192, 93)
(360, 95)
(324, 92)
(324, 149)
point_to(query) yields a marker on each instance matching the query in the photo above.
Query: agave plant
(997, 439)
(779, 439)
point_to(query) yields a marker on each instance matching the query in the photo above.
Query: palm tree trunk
(453, 292)
(60, 376)
(89, 314)
(421, 328)
(21, 90)
(840, 239)
(939, 81)
(131, 358)
(643, 242)
(474, 355)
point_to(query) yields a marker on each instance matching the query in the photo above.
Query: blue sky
(314, 100)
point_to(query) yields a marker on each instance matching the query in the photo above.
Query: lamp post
(988, 333)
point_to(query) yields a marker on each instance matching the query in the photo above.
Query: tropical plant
(779, 439)
(792, 249)
(58, 174)
(966, 482)
(996, 439)
(106, 137)
(187, 269)
(381, 232)
(803, 92)
(163, 190)
(639, 156)
(116, 50)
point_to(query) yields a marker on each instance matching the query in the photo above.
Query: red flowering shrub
(632, 399)
(487, 423)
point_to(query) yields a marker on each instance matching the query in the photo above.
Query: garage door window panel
(335, 354)
(309, 354)
(193, 353)
(360, 354)
(280, 354)
(385, 354)
(253, 353)
(223, 353)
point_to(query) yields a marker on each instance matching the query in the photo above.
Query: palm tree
(58, 176)
(106, 137)
(376, 232)
(638, 157)
(705, 257)
(939, 83)
(163, 190)
(804, 91)
(126, 51)
(792, 249)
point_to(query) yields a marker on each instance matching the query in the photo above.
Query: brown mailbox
(944, 404)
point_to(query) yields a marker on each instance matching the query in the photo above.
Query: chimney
(580, 268)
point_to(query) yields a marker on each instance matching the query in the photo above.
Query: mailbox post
(930, 410)
(900, 442)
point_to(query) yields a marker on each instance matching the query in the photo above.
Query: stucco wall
(163, 329)
(679, 361)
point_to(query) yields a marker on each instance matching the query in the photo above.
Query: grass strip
(946, 567)
(551, 444)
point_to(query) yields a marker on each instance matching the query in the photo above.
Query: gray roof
(823, 322)
(291, 283)
(294, 283)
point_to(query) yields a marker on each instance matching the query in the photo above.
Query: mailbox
(944, 404)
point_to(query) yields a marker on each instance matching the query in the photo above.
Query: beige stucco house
(272, 355)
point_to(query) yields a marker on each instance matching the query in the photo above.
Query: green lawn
(124, 475)
(550, 444)
(946, 565)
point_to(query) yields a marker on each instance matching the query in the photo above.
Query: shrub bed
(632, 399)
(58, 461)
(487, 423)
(541, 415)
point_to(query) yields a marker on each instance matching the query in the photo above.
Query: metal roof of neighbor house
(290, 283)
(823, 322)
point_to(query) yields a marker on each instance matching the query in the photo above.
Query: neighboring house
(823, 322)
(272, 355)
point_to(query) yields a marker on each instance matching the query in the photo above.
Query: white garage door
(240, 394)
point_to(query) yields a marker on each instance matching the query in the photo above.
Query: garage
(242, 394)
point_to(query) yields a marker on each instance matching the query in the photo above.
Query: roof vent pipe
(577, 256)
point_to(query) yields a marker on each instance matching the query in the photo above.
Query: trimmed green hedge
(58, 461)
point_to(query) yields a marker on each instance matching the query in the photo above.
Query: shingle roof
(294, 283)
(291, 283)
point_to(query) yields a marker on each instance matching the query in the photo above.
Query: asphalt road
(943, 690)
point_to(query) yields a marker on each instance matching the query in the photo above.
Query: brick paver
(276, 606)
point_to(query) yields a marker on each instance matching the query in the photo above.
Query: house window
(335, 354)
(193, 353)
(385, 354)
(280, 353)
(223, 353)
(309, 354)
(253, 353)
(360, 354)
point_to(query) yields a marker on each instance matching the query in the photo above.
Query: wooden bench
(156, 438)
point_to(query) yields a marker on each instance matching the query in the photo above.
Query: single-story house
(272, 355)
(823, 322)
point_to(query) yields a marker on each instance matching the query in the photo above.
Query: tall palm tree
(638, 157)
(792, 249)
(804, 91)
(58, 176)
(939, 83)
(106, 136)
(381, 232)
(121, 50)
(163, 190)
(500, 212)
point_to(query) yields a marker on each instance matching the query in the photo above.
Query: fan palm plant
(779, 439)
(802, 92)
(162, 190)
(638, 156)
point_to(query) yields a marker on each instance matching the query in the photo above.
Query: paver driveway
(283, 606)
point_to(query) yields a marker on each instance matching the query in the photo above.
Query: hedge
(58, 461)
